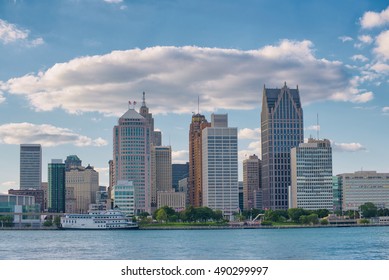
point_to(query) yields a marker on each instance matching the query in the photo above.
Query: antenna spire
(144, 100)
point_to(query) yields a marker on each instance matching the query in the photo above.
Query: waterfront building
(20, 204)
(85, 183)
(251, 180)
(175, 200)
(220, 166)
(111, 178)
(281, 129)
(132, 156)
(179, 172)
(258, 199)
(364, 186)
(195, 188)
(37, 194)
(311, 173)
(30, 166)
(45, 188)
(337, 192)
(72, 161)
(161, 167)
(124, 197)
(56, 186)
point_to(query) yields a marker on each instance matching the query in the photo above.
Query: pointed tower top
(144, 100)
(285, 84)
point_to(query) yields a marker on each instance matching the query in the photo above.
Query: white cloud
(113, 1)
(373, 19)
(380, 67)
(359, 57)
(382, 43)
(366, 39)
(44, 134)
(102, 170)
(252, 148)
(345, 38)
(248, 133)
(313, 127)
(348, 147)
(10, 33)
(9, 184)
(172, 76)
(385, 110)
(181, 156)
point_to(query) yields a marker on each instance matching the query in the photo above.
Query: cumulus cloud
(345, 38)
(172, 76)
(313, 127)
(10, 33)
(348, 147)
(382, 45)
(181, 156)
(44, 134)
(385, 110)
(251, 149)
(113, 1)
(367, 39)
(373, 19)
(248, 133)
(359, 57)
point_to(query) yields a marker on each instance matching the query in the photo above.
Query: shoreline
(237, 227)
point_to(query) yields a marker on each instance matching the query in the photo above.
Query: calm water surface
(366, 243)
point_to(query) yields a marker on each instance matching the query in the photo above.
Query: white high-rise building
(220, 166)
(124, 197)
(30, 166)
(132, 156)
(311, 175)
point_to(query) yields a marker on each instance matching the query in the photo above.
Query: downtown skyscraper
(132, 156)
(281, 130)
(30, 166)
(195, 189)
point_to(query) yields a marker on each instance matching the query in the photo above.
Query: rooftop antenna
(318, 127)
(198, 104)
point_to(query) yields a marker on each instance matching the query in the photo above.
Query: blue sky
(69, 67)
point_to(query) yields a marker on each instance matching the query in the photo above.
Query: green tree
(57, 221)
(324, 222)
(313, 219)
(161, 215)
(6, 221)
(322, 213)
(368, 210)
(295, 214)
(217, 215)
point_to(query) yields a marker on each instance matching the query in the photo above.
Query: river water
(342, 243)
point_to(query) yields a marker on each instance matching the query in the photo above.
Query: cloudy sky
(69, 67)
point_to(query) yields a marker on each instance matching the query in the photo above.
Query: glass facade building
(56, 186)
(281, 130)
(311, 173)
(30, 166)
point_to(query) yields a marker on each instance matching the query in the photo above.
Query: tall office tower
(124, 195)
(220, 166)
(72, 161)
(195, 163)
(30, 166)
(131, 156)
(179, 172)
(251, 181)
(56, 186)
(311, 174)
(281, 130)
(161, 170)
(85, 183)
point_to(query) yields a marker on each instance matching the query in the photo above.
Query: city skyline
(70, 68)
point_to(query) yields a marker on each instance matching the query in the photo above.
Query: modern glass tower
(56, 186)
(30, 166)
(132, 156)
(281, 130)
